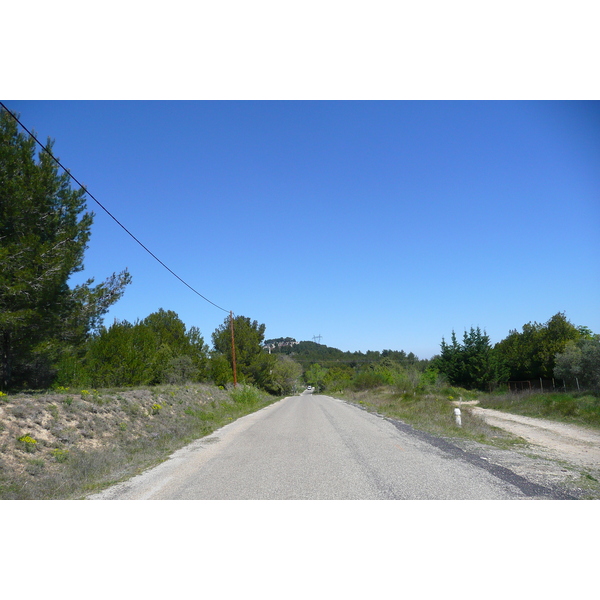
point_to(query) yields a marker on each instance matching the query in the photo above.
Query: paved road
(315, 447)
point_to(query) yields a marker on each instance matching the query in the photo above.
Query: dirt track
(576, 445)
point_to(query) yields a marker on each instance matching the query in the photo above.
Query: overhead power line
(108, 212)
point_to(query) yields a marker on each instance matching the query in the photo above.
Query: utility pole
(233, 350)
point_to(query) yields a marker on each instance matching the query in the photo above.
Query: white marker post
(457, 417)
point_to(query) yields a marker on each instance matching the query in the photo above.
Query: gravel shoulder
(558, 455)
(560, 441)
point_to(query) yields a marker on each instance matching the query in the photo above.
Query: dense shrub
(368, 380)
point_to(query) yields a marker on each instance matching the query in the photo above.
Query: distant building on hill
(278, 343)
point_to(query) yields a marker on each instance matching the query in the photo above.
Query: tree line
(161, 349)
(555, 349)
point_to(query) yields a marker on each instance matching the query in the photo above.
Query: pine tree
(470, 364)
(44, 230)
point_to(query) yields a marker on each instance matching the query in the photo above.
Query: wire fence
(542, 385)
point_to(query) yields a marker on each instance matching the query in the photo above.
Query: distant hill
(308, 353)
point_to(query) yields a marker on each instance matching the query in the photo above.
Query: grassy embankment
(67, 444)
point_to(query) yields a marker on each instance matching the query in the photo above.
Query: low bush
(246, 394)
(368, 380)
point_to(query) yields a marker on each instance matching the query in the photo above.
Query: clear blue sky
(373, 224)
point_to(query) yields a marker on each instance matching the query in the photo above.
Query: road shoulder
(558, 455)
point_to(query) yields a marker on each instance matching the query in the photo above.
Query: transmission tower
(317, 337)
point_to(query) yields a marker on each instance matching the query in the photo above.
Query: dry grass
(74, 442)
(433, 413)
(580, 408)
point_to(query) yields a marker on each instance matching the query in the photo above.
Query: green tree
(555, 335)
(157, 349)
(315, 376)
(119, 355)
(530, 354)
(590, 361)
(198, 352)
(479, 369)
(449, 362)
(182, 355)
(43, 235)
(285, 375)
(579, 363)
(169, 330)
(254, 364)
(338, 377)
(220, 370)
(470, 364)
(515, 352)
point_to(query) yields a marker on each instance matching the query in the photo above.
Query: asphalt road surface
(319, 448)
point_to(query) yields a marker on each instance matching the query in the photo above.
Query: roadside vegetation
(67, 444)
(578, 408)
(433, 412)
